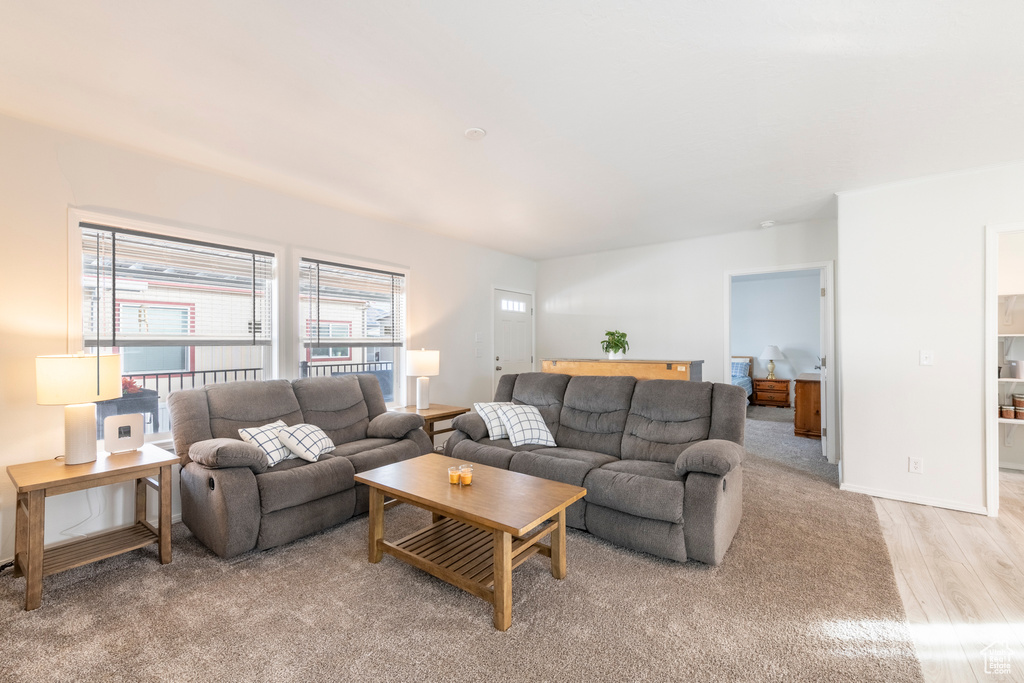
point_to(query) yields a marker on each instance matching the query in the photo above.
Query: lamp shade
(72, 379)
(422, 363)
(772, 353)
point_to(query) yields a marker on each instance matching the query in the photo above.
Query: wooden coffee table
(480, 533)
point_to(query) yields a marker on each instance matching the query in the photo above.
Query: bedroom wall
(912, 278)
(781, 309)
(669, 298)
(44, 171)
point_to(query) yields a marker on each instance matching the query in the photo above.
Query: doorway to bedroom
(779, 332)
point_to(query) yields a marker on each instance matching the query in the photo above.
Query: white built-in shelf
(1010, 380)
(1003, 336)
(1010, 421)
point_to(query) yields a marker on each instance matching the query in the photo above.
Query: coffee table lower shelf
(463, 555)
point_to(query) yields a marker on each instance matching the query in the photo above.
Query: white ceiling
(610, 123)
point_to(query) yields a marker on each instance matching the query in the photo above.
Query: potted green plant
(615, 344)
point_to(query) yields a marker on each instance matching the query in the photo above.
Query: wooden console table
(641, 369)
(35, 481)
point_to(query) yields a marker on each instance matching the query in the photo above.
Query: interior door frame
(833, 442)
(991, 400)
(533, 328)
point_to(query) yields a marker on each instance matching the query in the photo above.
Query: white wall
(912, 277)
(781, 309)
(669, 298)
(43, 172)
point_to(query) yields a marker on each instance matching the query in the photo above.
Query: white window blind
(145, 290)
(371, 302)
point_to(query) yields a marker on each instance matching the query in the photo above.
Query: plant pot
(616, 355)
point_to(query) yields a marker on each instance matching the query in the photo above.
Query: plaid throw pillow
(740, 369)
(305, 441)
(492, 418)
(265, 439)
(524, 425)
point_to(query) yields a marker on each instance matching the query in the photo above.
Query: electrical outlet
(917, 465)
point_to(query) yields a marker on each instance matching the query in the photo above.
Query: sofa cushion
(265, 438)
(300, 482)
(239, 405)
(544, 390)
(335, 405)
(665, 417)
(567, 465)
(643, 488)
(490, 413)
(594, 413)
(305, 441)
(386, 454)
(525, 425)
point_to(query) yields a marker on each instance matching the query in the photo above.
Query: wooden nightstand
(771, 392)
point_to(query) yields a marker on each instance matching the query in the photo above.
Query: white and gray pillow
(306, 441)
(265, 439)
(492, 418)
(525, 425)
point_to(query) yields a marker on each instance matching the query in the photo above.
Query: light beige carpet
(806, 593)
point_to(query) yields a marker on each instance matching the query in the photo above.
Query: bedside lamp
(423, 364)
(772, 354)
(75, 382)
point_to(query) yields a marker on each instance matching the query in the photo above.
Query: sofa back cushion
(594, 414)
(666, 415)
(336, 405)
(545, 390)
(237, 405)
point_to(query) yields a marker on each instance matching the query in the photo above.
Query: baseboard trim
(1011, 466)
(919, 500)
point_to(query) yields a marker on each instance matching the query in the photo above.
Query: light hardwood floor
(961, 578)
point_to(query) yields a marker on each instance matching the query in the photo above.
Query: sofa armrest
(393, 425)
(223, 453)
(472, 425)
(714, 456)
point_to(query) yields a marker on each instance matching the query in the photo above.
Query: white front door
(513, 333)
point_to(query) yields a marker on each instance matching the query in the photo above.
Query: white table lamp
(772, 354)
(423, 364)
(75, 382)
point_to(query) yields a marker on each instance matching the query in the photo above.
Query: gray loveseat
(233, 502)
(660, 459)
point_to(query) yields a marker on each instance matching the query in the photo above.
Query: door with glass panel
(513, 333)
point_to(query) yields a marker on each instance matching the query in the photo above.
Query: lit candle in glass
(466, 475)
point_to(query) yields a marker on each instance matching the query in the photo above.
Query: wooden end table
(434, 414)
(35, 481)
(771, 392)
(480, 533)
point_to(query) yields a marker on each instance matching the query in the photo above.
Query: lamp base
(771, 370)
(422, 393)
(79, 433)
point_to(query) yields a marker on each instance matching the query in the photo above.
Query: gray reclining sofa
(660, 459)
(233, 502)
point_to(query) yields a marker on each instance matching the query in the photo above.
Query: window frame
(291, 306)
(75, 341)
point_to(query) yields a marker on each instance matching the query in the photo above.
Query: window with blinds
(352, 321)
(148, 290)
(181, 313)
